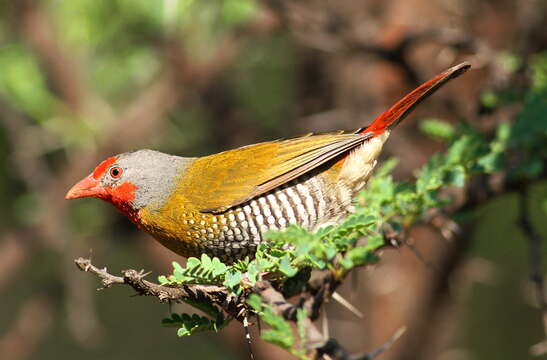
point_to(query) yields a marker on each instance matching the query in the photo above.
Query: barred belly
(303, 201)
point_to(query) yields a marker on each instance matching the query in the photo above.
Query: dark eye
(116, 172)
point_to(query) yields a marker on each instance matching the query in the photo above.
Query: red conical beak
(88, 186)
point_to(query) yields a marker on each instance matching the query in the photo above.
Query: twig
(385, 346)
(211, 294)
(431, 266)
(64, 73)
(323, 347)
(333, 350)
(346, 304)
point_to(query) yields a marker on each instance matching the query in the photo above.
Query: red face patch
(123, 193)
(121, 197)
(100, 170)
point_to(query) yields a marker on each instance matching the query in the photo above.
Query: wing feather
(236, 176)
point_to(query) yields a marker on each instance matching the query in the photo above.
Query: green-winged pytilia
(222, 204)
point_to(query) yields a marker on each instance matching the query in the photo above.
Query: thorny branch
(315, 294)
(210, 294)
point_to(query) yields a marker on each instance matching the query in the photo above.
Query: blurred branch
(479, 190)
(323, 26)
(14, 251)
(26, 150)
(31, 325)
(62, 69)
(531, 20)
(181, 76)
(333, 350)
(324, 286)
(536, 266)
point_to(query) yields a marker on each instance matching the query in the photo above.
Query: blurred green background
(82, 80)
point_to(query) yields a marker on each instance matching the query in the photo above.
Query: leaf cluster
(190, 324)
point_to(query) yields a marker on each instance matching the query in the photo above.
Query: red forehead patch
(99, 170)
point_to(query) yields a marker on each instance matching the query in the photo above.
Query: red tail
(403, 107)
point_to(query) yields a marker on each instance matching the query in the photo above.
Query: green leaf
(358, 256)
(191, 324)
(255, 302)
(438, 129)
(509, 62)
(286, 268)
(456, 176)
(282, 337)
(192, 263)
(253, 271)
(386, 168)
(489, 99)
(206, 262)
(238, 11)
(233, 279)
(207, 308)
(177, 267)
(218, 267)
(280, 333)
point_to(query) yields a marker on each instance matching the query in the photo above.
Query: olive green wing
(221, 181)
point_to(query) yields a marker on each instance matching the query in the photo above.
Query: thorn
(259, 325)
(143, 274)
(336, 296)
(420, 256)
(248, 336)
(446, 226)
(241, 312)
(394, 243)
(354, 284)
(325, 325)
(388, 343)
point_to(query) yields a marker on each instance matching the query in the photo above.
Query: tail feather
(403, 107)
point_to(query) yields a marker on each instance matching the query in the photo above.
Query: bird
(222, 204)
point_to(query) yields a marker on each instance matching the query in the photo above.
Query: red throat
(121, 197)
